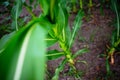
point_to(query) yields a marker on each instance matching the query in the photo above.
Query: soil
(94, 34)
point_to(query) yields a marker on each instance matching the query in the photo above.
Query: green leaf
(80, 52)
(102, 55)
(59, 69)
(16, 10)
(118, 20)
(4, 40)
(50, 41)
(108, 67)
(67, 35)
(54, 54)
(45, 6)
(77, 25)
(82, 62)
(113, 38)
(24, 54)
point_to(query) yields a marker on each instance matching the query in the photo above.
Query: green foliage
(16, 10)
(80, 52)
(115, 39)
(77, 25)
(54, 54)
(22, 53)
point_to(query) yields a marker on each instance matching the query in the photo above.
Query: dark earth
(94, 34)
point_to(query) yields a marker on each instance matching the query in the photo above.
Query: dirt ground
(94, 34)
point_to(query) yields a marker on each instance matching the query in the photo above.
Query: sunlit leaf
(24, 54)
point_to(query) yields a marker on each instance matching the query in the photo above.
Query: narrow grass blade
(16, 10)
(77, 25)
(118, 20)
(80, 52)
(58, 69)
(54, 54)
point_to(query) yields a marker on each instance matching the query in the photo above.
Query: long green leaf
(24, 55)
(59, 69)
(118, 20)
(77, 25)
(16, 10)
(80, 52)
(5, 39)
(50, 41)
(107, 67)
(54, 54)
(45, 6)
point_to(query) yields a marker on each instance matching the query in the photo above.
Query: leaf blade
(77, 25)
(54, 54)
(80, 52)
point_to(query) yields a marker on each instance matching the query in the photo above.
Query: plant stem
(68, 55)
(112, 50)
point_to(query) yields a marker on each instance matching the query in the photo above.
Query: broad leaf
(54, 54)
(24, 54)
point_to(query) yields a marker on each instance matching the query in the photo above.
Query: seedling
(115, 39)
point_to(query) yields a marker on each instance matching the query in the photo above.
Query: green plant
(22, 53)
(115, 42)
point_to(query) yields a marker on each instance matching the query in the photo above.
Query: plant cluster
(115, 38)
